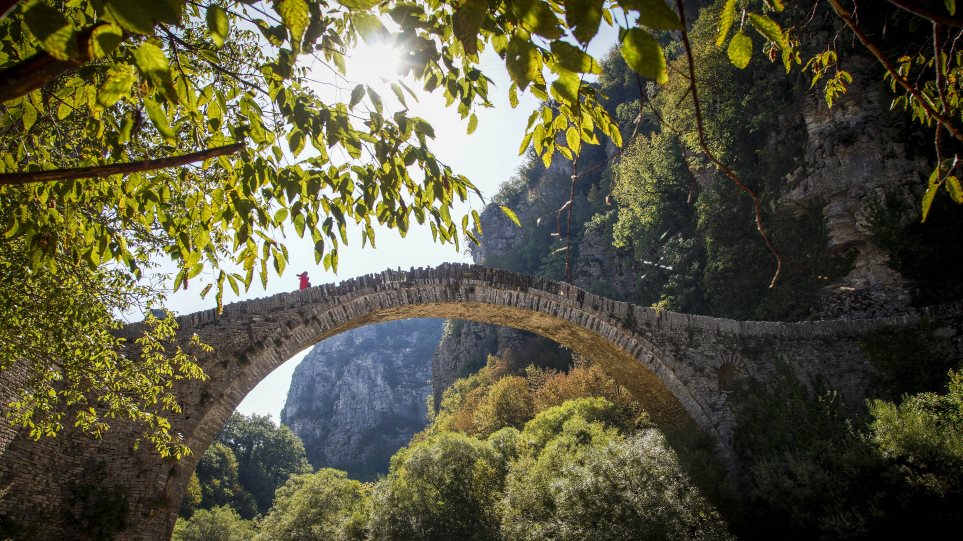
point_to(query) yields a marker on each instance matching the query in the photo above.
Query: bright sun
(372, 64)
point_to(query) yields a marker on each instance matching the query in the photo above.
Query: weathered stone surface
(680, 367)
(358, 397)
(856, 155)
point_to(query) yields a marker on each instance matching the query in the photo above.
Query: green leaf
(356, 95)
(299, 225)
(217, 24)
(726, 19)
(139, 16)
(770, 29)
(523, 146)
(928, 199)
(583, 17)
(466, 21)
(740, 50)
(573, 139)
(152, 63)
(643, 54)
(950, 6)
(511, 215)
(655, 14)
(565, 88)
(125, 128)
(955, 190)
(522, 61)
(159, 119)
(296, 17)
(472, 123)
(572, 58)
(359, 4)
(29, 116)
(369, 27)
(104, 39)
(116, 86)
(375, 100)
(399, 94)
(55, 33)
(537, 17)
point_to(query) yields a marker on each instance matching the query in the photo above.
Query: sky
(489, 157)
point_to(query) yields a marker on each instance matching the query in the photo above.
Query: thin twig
(932, 16)
(568, 229)
(875, 50)
(6, 6)
(757, 204)
(100, 171)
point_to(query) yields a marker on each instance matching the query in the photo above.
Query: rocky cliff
(359, 396)
(535, 196)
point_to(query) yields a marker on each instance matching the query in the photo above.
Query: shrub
(218, 524)
(322, 506)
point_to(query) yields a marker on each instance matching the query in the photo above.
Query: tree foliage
(219, 483)
(249, 460)
(320, 506)
(923, 435)
(444, 487)
(267, 455)
(584, 479)
(809, 470)
(217, 524)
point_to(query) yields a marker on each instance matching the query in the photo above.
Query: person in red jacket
(305, 283)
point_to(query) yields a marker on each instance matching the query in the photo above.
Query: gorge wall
(360, 396)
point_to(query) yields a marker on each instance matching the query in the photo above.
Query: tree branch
(932, 16)
(6, 6)
(881, 58)
(100, 171)
(31, 74)
(757, 204)
(40, 69)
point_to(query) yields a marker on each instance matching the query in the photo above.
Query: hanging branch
(757, 204)
(900, 80)
(6, 6)
(100, 171)
(932, 16)
(40, 69)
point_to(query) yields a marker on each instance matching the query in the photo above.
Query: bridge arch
(674, 363)
(262, 334)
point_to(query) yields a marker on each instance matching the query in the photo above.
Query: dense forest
(515, 451)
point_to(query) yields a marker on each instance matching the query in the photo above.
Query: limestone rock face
(857, 154)
(466, 345)
(602, 269)
(598, 267)
(359, 396)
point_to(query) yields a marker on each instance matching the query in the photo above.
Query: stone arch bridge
(680, 366)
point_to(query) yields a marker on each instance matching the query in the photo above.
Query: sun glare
(373, 64)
